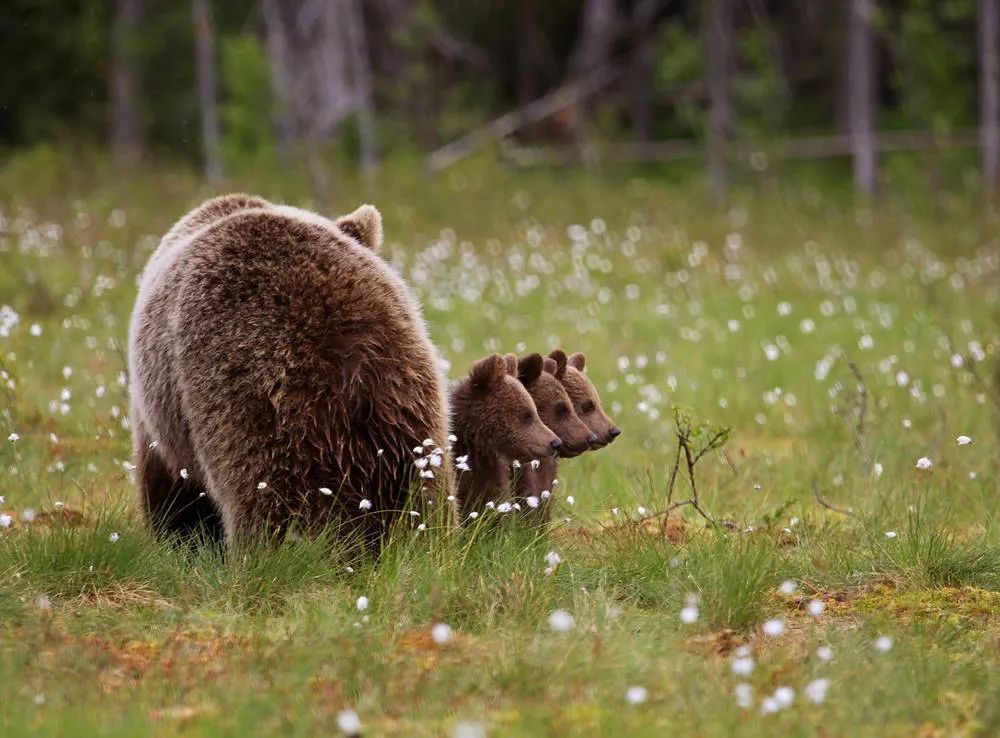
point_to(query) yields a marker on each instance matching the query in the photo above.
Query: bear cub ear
(511, 362)
(549, 366)
(489, 372)
(559, 357)
(364, 225)
(577, 361)
(529, 368)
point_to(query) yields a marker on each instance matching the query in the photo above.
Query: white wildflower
(532, 501)
(349, 722)
(744, 695)
(788, 587)
(636, 695)
(774, 627)
(824, 653)
(689, 614)
(114, 537)
(816, 608)
(365, 504)
(561, 621)
(441, 633)
(816, 690)
(883, 644)
(326, 491)
(362, 603)
(924, 463)
(963, 440)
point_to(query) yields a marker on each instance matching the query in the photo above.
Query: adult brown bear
(282, 372)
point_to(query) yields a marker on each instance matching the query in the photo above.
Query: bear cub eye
(526, 417)
(587, 407)
(562, 409)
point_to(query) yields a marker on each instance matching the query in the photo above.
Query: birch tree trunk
(718, 49)
(126, 132)
(861, 92)
(593, 50)
(204, 39)
(989, 106)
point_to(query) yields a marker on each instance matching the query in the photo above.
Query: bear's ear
(577, 361)
(488, 372)
(529, 368)
(510, 361)
(559, 357)
(549, 366)
(364, 225)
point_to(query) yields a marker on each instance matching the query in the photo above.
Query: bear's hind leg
(171, 505)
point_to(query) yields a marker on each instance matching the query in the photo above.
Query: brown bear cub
(280, 369)
(534, 485)
(496, 423)
(586, 401)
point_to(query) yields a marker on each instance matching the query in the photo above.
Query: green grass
(131, 636)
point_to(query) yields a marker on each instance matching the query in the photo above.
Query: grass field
(840, 345)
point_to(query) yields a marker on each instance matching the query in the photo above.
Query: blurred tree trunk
(861, 91)
(639, 82)
(989, 106)
(526, 52)
(593, 50)
(204, 38)
(276, 40)
(361, 76)
(126, 133)
(718, 50)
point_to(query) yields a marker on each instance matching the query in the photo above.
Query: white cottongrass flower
(452, 438)
(636, 695)
(504, 507)
(774, 627)
(532, 501)
(28, 516)
(545, 494)
(326, 491)
(535, 463)
(816, 690)
(743, 665)
(427, 474)
(963, 440)
(13, 438)
(441, 633)
(114, 537)
(561, 621)
(5, 521)
(185, 474)
(816, 607)
(744, 695)
(466, 729)
(429, 442)
(515, 464)
(689, 614)
(362, 603)
(891, 534)
(552, 558)
(418, 449)
(422, 527)
(263, 485)
(473, 515)
(824, 653)
(570, 500)
(42, 602)
(641, 510)
(349, 722)
(924, 463)
(883, 644)
(414, 514)
(878, 469)
(462, 463)
(436, 458)
(788, 587)
(421, 462)
(785, 696)
(769, 705)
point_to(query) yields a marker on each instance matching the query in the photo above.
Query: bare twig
(861, 411)
(818, 494)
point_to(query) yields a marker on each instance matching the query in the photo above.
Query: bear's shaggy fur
(556, 411)
(281, 368)
(496, 423)
(586, 401)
